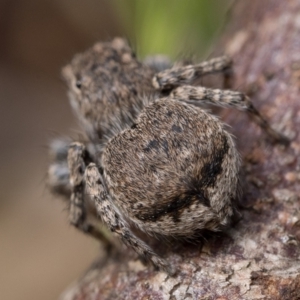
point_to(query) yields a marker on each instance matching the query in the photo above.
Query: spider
(152, 157)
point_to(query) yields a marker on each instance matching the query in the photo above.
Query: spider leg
(158, 62)
(58, 172)
(226, 98)
(115, 221)
(77, 158)
(58, 175)
(176, 76)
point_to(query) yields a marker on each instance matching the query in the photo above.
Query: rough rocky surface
(259, 257)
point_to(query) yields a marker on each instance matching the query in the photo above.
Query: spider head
(102, 82)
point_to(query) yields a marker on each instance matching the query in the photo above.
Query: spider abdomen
(175, 171)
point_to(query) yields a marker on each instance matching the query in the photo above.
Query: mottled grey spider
(151, 158)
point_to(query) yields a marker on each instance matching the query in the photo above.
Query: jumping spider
(152, 157)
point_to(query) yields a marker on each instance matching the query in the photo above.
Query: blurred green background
(173, 26)
(40, 254)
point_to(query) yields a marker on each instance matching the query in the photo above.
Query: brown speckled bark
(259, 258)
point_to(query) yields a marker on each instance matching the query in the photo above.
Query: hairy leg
(176, 76)
(158, 62)
(78, 157)
(226, 98)
(58, 175)
(110, 215)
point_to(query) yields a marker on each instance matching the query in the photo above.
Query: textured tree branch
(259, 258)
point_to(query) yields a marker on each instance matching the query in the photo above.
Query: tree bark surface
(259, 257)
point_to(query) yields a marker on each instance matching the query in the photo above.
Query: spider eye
(78, 84)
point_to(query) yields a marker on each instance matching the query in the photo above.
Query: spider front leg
(227, 98)
(176, 76)
(58, 172)
(96, 189)
(78, 156)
